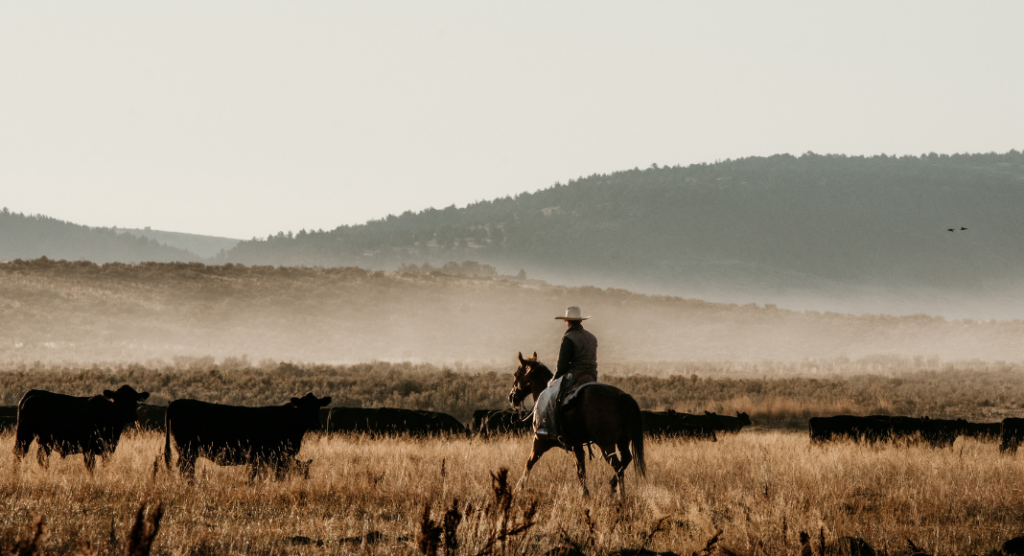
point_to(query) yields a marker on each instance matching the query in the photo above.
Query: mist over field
(81, 312)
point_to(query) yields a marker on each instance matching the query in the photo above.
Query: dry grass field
(760, 489)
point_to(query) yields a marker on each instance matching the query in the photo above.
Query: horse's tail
(635, 426)
(167, 438)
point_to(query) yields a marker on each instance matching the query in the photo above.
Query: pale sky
(246, 118)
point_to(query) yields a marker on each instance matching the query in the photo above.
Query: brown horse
(602, 415)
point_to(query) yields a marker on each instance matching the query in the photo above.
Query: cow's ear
(325, 401)
(143, 396)
(534, 356)
(109, 394)
(521, 360)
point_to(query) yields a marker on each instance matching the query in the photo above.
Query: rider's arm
(564, 357)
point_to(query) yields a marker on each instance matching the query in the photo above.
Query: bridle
(519, 393)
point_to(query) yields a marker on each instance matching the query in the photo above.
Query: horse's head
(526, 375)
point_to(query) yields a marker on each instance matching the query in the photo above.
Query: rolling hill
(853, 234)
(29, 237)
(819, 232)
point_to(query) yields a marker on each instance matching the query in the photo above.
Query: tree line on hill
(866, 220)
(758, 228)
(33, 236)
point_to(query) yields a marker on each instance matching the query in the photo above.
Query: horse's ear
(535, 356)
(521, 360)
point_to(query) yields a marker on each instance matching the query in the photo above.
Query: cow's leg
(187, 462)
(22, 440)
(581, 467)
(90, 460)
(539, 447)
(43, 454)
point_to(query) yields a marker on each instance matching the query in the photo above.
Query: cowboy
(577, 363)
(578, 355)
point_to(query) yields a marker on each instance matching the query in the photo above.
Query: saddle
(548, 411)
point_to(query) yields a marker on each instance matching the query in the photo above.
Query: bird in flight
(962, 228)
(951, 230)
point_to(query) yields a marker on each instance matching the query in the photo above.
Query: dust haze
(55, 312)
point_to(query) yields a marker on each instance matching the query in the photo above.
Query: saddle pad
(571, 395)
(544, 418)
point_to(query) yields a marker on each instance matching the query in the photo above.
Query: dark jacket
(578, 353)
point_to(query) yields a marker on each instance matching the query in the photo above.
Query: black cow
(982, 431)
(479, 416)
(672, 424)
(1011, 432)
(938, 433)
(8, 418)
(870, 429)
(74, 425)
(152, 417)
(724, 423)
(234, 435)
(390, 421)
(494, 422)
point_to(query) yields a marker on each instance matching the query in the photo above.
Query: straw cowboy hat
(573, 313)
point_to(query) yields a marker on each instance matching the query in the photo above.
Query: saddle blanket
(545, 416)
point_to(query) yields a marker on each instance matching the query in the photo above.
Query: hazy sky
(245, 118)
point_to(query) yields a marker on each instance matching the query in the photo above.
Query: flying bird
(951, 230)
(962, 228)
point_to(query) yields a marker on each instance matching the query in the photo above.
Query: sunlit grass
(760, 488)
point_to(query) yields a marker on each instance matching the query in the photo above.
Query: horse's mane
(541, 370)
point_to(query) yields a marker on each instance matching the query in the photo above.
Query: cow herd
(270, 438)
(938, 433)
(267, 438)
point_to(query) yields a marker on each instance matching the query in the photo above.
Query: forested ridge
(825, 232)
(31, 236)
(800, 221)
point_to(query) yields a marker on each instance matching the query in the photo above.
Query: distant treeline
(982, 392)
(31, 237)
(777, 221)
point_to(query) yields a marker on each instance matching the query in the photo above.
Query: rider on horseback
(577, 363)
(578, 355)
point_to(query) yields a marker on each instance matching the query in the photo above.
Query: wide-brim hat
(573, 313)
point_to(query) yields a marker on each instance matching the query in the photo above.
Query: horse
(601, 415)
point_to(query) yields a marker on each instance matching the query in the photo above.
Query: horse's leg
(620, 464)
(613, 460)
(581, 467)
(539, 447)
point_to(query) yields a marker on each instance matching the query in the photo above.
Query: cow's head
(744, 418)
(126, 401)
(309, 408)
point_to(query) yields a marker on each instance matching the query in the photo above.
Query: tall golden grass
(761, 490)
